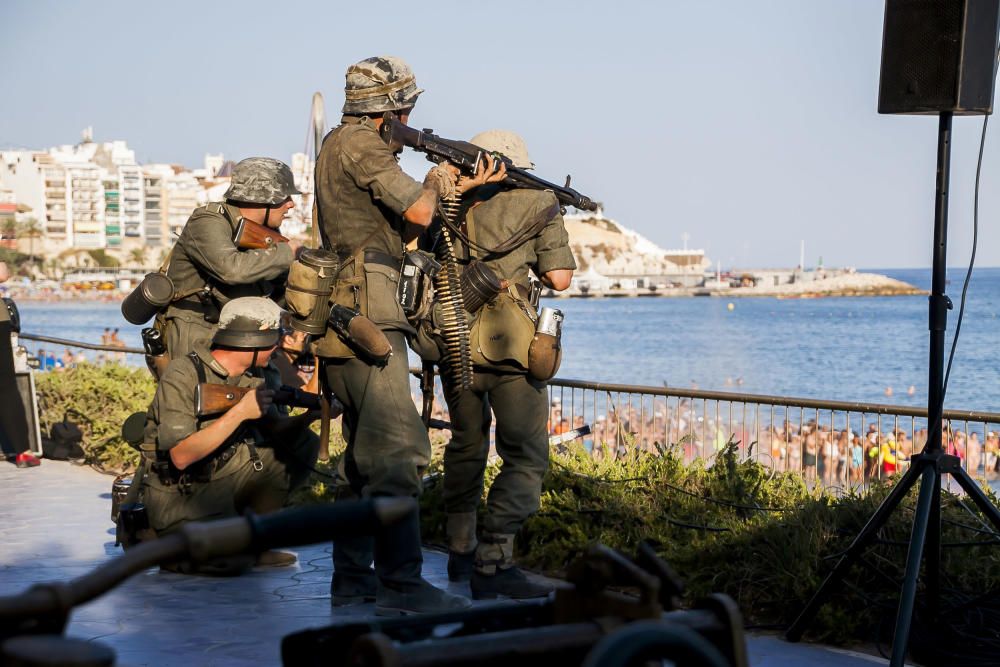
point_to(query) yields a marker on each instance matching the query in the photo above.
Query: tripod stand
(927, 467)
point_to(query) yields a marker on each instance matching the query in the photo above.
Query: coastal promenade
(56, 526)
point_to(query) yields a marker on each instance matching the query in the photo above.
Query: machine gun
(585, 623)
(211, 399)
(255, 236)
(468, 157)
(32, 623)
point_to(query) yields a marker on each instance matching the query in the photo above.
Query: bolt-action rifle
(468, 157)
(211, 399)
(251, 235)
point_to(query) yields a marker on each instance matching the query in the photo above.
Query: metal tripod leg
(908, 595)
(850, 556)
(991, 511)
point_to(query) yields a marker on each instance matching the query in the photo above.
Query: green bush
(728, 526)
(98, 399)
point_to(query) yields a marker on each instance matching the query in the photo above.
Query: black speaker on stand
(938, 57)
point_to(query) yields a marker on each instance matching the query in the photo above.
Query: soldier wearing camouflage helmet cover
(501, 382)
(367, 208)
(209, 467)
(206, 266)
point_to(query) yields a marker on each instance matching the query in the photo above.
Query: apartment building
(130, 184)
(153, 178)
(85, 205)
(183, 194)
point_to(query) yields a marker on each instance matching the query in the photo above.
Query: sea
(866, 349)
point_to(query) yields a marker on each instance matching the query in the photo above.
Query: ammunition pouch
(348, 292)
(370, 290)
(503, 330)
(310, 284)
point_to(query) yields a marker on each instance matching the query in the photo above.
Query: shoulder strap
(199, 367)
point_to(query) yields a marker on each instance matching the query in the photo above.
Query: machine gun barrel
(468, 157)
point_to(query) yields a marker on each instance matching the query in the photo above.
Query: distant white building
(94, 195)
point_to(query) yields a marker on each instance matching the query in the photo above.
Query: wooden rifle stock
(255, 236)
(212, 399)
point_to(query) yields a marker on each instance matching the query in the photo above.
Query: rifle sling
(519, 239)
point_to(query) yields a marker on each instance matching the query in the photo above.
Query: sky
(750, 126)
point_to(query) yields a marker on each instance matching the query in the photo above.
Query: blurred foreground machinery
(590, 622)
(32, 623)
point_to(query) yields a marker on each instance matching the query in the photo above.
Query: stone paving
(55, 524)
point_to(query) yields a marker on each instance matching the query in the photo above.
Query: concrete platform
(55, 524)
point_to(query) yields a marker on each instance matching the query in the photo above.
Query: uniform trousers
(521, 408)
(387, 452)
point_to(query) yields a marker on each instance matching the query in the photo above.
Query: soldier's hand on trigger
(254, 404)
(490, 172)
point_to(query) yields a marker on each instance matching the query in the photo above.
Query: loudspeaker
(939, 55)
(26, 388)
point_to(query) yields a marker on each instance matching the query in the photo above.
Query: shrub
(98, 399)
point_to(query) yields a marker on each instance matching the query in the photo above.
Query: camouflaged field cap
(249, 323)
(379, 84)
(507, 143)
(261, 180)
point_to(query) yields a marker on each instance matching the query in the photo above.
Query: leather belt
(375, 257)
(383, 258)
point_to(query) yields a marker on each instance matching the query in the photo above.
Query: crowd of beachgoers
(850, 455)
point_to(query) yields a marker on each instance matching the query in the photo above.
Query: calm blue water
(848, 349)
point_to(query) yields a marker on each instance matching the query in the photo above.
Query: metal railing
(836, 444)
(833, 443)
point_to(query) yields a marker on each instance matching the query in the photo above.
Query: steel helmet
(261, 180)
(379, 84)
(507, 143)
(249, 323)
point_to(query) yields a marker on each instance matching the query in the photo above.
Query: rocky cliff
(609, 248)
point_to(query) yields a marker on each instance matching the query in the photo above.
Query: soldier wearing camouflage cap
(206, 266)
(501, 382)
(366, 207)
(218, 465)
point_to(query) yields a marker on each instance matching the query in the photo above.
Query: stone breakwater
(848, 284)
(843, 284)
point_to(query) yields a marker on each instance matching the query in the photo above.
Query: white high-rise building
(153, 181)
(132, 201)
(85, 205)
(183, 194)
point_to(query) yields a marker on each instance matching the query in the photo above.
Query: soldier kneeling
(212, 464)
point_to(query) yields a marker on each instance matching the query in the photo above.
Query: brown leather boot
(275, 558)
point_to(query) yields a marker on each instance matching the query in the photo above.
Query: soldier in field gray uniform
(367, 207)
(207, 268)
(501, 382)
(216, 466)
